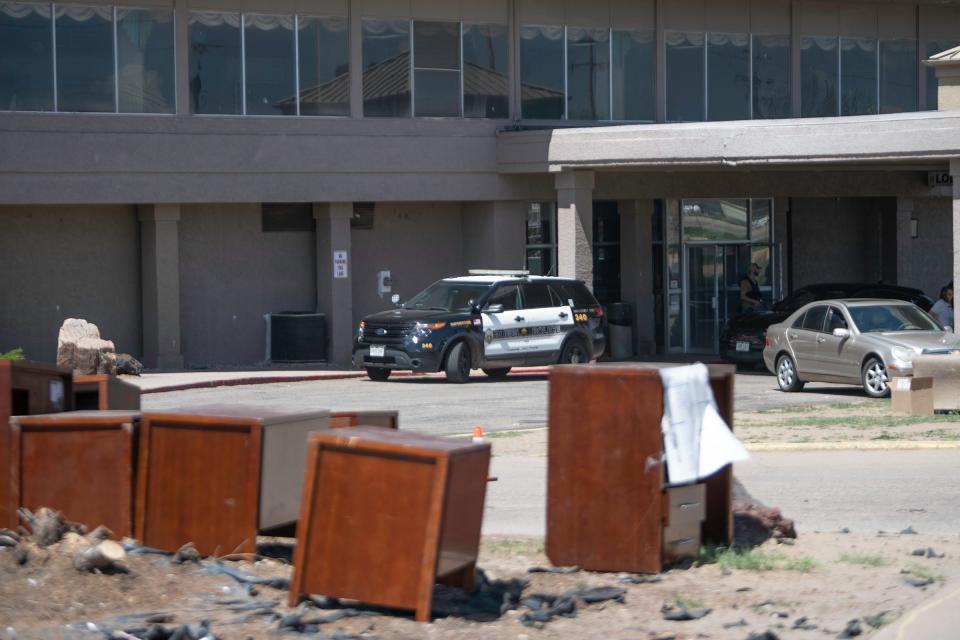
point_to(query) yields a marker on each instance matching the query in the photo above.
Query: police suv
(488, 320)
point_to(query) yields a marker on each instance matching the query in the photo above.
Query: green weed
(518, 546)
(13, 354)
(865, 560)
(753, 560)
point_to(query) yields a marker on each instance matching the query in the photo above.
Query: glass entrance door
(704, 272)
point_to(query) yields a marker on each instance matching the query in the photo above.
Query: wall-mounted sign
(939, 179)
(339, 264)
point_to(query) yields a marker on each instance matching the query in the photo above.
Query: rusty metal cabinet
(216, 476)
(607, 507)
(104, 393)
(386, 513)
(81, 463)
(27, 388)
(386, 419)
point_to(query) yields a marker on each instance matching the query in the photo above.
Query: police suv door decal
(548, 319)
(501, 331)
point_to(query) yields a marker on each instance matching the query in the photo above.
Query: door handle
(793, 336)
(821, 339)
(519, 319)
(563, 314)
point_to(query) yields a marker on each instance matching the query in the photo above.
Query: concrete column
(335, 292)
(575, 225)
(904, 239)
(636, 270)
(955, 172)
(182, 39)
(947, 67)
(160, 273)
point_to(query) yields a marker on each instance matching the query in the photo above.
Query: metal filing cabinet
(386, 514)
(607, 505)
(27, 388)
(218, 475)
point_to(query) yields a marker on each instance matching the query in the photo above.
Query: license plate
(743, 346)
(376, 351)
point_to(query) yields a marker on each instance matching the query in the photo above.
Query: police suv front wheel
(378, 374)
(458, 363)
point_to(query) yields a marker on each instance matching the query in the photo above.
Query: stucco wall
(836, 240)
(68, 262)
(418, 242)
(932, 248)
(231, 274)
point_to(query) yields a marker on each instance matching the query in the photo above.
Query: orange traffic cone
(478, 434)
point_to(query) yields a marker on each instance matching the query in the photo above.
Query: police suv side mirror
(494, 308)
(841, 333)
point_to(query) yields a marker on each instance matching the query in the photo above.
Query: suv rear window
(577, 292)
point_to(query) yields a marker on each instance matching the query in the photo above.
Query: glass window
(541, 241)
(771, 77)
(898, 75)
(813, 320)
(576, 295)
(536, 295)
(324, 67)
(541, 72)
(891, 317)
(216, 85)
(26, 57)
(836, 320)
(634, 69)
(436, 59)
(858, 76)
(508, 295)
(145, 60)
(386, 68)
(715, 220)
(85, 73)
(606, 251)
(685, 76)
(269, 48)
(760, 212)
(588, 74)
(933, 48)
(728, 76)
(818, 77)
(486, 71)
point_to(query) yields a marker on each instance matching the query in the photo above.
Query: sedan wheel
(875, 379)
(787, 374)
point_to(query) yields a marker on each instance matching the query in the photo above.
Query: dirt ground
(828, 579)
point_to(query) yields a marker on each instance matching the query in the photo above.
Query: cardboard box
(945, 371)
(912, 396)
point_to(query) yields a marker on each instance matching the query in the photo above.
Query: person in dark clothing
(750, 297)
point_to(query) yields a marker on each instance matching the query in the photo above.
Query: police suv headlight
(425, 328)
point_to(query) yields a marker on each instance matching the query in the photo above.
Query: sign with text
(339, 264)
(939, 179)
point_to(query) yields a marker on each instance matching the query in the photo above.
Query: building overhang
(923, 139)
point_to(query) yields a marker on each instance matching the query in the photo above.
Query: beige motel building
(174, 171)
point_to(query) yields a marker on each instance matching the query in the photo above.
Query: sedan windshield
(900, 317)
(447, 296)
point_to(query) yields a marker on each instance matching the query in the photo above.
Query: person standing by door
(751, 299)
(942, 309)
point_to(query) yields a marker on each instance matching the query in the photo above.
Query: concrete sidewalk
(938, 619)
(180, 380)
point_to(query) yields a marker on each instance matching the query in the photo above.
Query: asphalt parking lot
(432, 405)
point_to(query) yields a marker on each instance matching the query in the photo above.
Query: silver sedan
(862, 342)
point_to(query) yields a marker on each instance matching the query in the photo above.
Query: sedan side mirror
(494, 308)
(841, 333)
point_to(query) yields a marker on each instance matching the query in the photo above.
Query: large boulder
(80, 347)
(754, 524)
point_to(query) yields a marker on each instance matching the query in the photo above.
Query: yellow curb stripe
(912, 616)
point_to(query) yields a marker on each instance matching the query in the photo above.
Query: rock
(909, 531)
(80, 347)
(753, 525)
(128, 365)
(852, 630)
(186, 553)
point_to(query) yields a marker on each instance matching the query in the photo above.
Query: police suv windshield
(448, 296)
(901, 317)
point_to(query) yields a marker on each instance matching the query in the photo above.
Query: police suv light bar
(498, 272)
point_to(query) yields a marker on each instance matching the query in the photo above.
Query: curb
(765, 447)
(234, 382)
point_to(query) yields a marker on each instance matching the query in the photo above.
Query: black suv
(483, 321)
